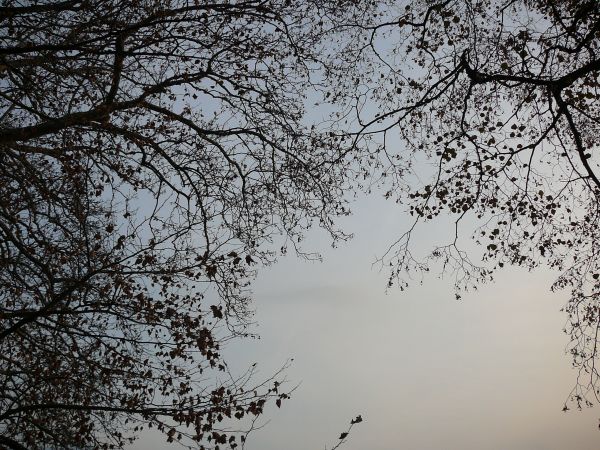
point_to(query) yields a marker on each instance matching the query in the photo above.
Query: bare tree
(149, 153)
(498, 101)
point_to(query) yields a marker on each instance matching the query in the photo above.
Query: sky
(424, 370)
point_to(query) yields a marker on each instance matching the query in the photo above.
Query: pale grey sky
(425, 371)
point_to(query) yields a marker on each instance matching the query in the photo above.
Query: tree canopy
(150, 150)
(496, 102)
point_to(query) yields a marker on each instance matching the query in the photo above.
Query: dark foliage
(149, 152)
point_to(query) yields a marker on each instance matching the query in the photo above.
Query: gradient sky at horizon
(425, 371)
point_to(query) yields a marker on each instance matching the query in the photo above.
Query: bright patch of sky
(425, 371)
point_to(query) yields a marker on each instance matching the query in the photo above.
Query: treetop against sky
(155, 155)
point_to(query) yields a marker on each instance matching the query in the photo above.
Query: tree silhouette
(150, 151)
(498, 100)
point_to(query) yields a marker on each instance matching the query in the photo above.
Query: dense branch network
(150, 152)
